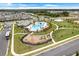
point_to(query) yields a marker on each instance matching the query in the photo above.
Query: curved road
(67, 49)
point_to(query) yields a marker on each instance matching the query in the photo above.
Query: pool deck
(38, 26)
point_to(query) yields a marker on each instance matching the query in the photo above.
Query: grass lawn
(66, 24)
(9, 50)
(19, 30)
(19, 47)
(64, 33)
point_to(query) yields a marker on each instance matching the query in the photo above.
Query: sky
(38, 5)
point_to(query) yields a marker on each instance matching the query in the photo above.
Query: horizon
(39, 5)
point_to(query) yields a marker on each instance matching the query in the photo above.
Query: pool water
(37, 26)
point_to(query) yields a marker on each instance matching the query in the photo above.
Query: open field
(66, 24)
(20, 30)
(64, 33)
(69, 30)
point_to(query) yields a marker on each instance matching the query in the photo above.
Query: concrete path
(19, 33)
(52, 37)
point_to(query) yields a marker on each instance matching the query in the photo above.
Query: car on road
(7, 35)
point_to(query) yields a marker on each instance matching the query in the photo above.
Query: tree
(72, 32)
(77, 54)
(64, 13)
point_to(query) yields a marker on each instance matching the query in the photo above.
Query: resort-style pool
(37, 26)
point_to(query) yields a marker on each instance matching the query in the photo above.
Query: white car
(7, 35)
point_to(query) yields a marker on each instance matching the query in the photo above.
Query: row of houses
(14, 16)
(23, 15)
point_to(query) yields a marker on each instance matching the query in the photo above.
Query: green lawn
(19, 47)
(9, 50)
(64, 33)
(66, 24)
(19, 29)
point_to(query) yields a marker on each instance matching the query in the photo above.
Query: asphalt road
(3, 41)
(67, 49)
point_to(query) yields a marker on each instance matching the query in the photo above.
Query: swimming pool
(37, 26)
